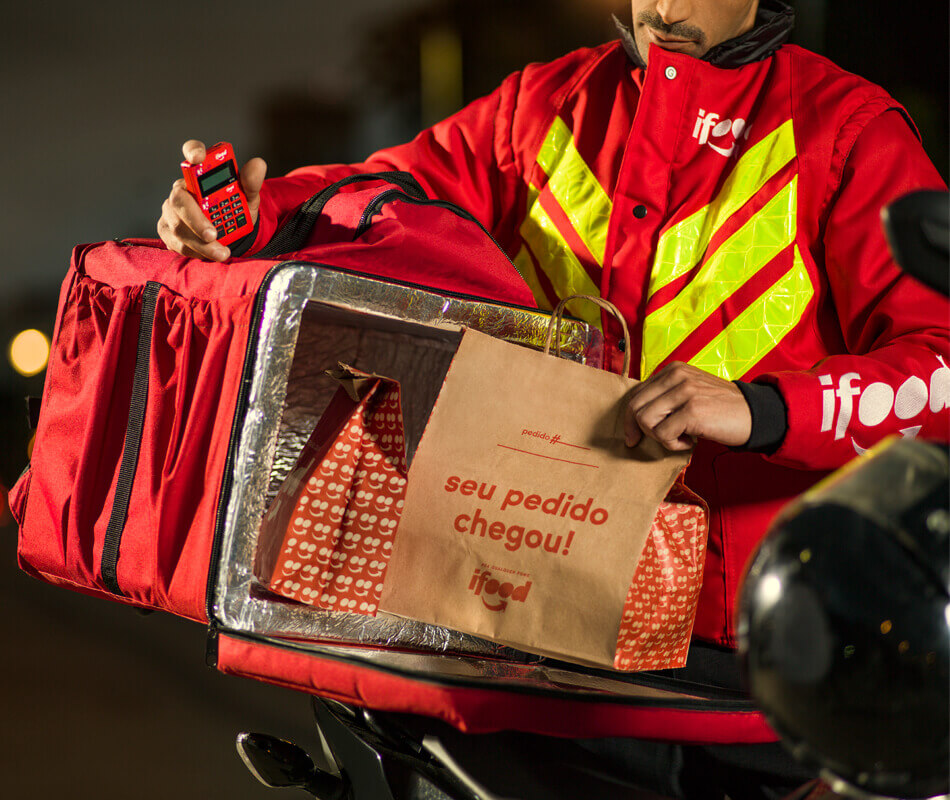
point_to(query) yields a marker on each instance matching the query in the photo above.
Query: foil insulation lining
(532, 672)
(311, 319)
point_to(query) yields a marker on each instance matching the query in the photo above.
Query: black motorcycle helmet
(844, 614)
(844, 624)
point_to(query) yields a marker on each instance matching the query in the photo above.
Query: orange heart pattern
(661, 605)
(339, 539)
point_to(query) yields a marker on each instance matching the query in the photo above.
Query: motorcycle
(844, 643)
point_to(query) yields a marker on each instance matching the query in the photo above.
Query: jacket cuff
(769, 417)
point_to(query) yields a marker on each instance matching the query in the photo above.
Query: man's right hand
(184, 228)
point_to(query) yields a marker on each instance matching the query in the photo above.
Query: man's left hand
(681, 403)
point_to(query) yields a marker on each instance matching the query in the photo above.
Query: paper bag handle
(554, 326)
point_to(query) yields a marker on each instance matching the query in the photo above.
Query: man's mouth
(669, 42)
(675, 37)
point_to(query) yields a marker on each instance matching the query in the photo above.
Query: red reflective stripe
(734, 305)
(543, 279)
(562, 222)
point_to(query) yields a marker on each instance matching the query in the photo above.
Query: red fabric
(415, 243)
(854, 151)
(483, 710)
(198, 343)
(197, 352)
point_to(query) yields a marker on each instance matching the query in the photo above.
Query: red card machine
(214, 183)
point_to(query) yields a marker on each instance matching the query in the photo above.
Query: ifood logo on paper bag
(496, 594)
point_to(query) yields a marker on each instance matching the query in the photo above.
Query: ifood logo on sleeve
(846, 399)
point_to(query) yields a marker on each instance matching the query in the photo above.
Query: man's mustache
(679, 30)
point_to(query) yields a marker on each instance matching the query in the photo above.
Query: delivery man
(723, 189)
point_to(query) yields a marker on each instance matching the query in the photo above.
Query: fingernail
(209, 234)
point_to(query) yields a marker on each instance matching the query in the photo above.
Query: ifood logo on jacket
(722, 135)
(847, 399)
(496, 594)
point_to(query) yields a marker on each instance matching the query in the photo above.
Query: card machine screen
(217, 178)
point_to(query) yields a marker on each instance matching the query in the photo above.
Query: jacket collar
(773, 26)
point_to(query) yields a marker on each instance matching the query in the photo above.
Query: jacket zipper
(133, 440)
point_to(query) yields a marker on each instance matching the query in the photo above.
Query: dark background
(101, 702)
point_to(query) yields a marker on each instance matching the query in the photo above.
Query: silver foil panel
(311, 320)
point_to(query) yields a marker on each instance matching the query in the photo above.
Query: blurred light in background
(29, 352)
(440, 73)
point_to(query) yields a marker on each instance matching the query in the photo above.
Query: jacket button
(670, 72)
(622, 345)
(640, 211)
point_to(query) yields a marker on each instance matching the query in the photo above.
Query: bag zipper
(296, 231)
(133, 441)
(374, 205)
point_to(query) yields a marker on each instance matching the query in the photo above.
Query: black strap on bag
(133, 441)
(295, 233)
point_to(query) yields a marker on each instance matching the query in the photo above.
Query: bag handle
(554, 326)
(295, 233)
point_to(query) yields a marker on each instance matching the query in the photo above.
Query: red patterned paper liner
(660, 608)
(340, 537)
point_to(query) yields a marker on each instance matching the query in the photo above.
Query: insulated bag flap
(495, 702)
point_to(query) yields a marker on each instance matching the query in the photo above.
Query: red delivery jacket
(733, 216)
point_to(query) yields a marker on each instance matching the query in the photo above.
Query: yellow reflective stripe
(563, 269)
(556, 142)
(525, 266)
(682, 246)
(759, 329)
(740, 257)
(577, 191)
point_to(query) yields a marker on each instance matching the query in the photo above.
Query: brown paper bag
(526, 515)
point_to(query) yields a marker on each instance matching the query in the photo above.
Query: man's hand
(182, 226)
(681, 403)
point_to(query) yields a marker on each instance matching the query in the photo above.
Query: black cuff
(242, 245)
(769, 417)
